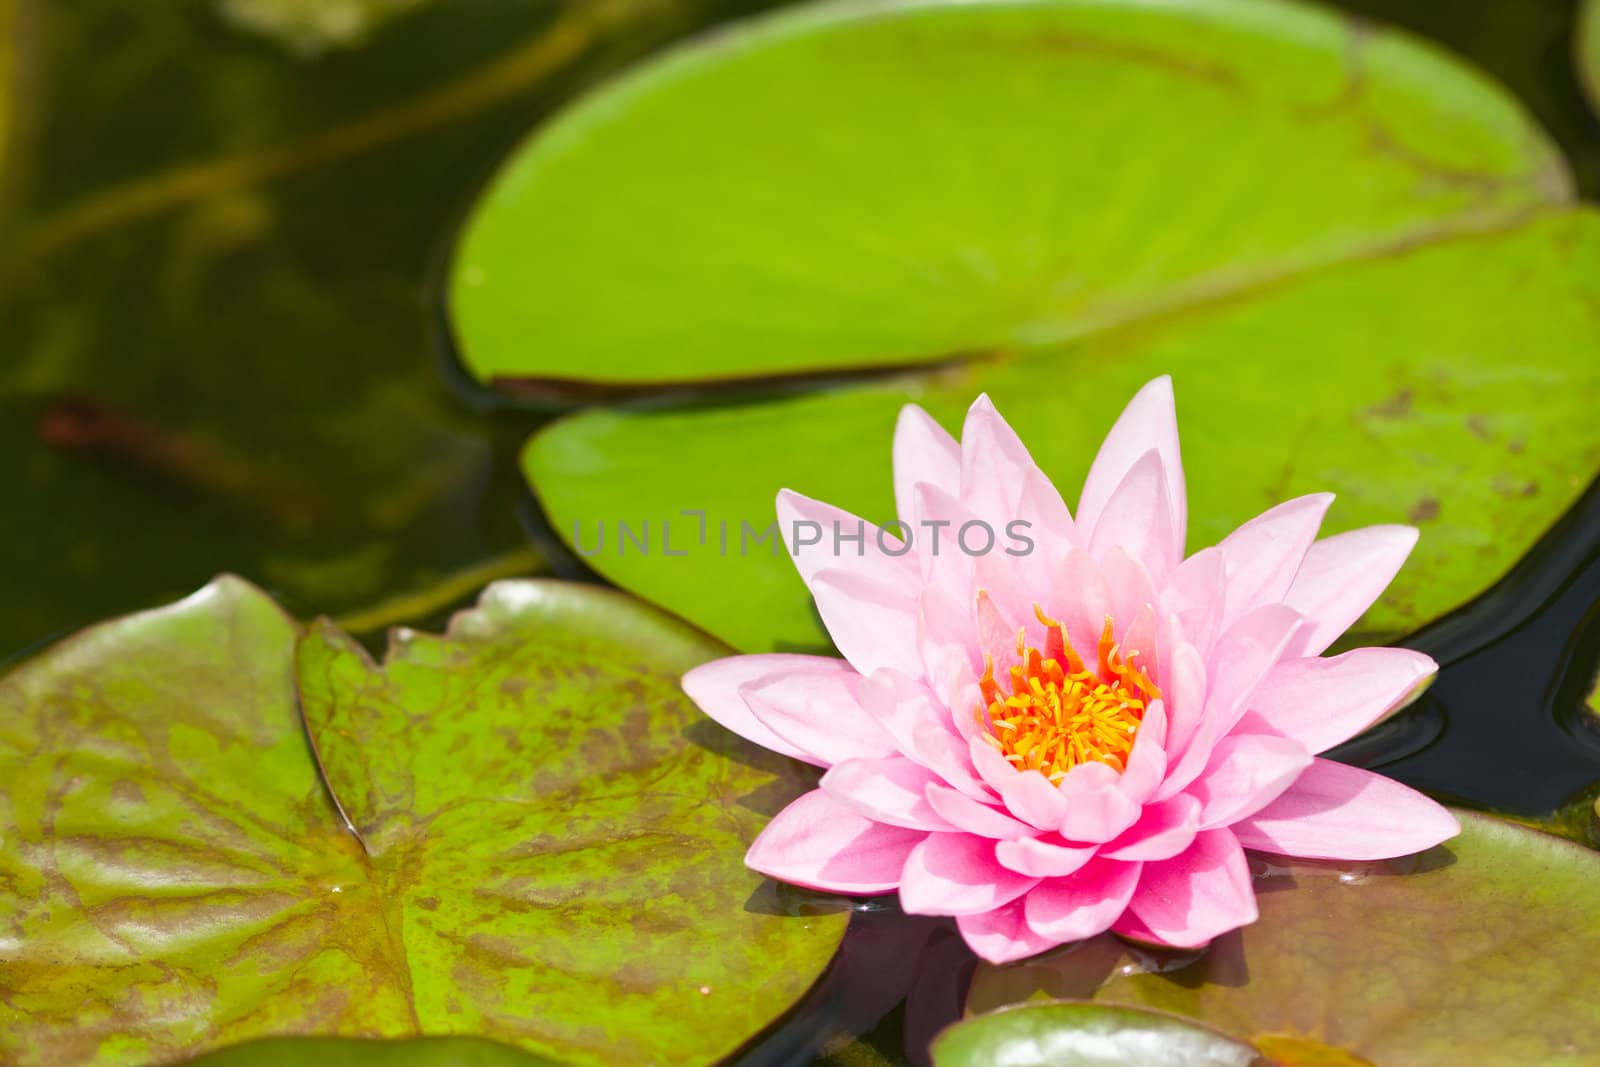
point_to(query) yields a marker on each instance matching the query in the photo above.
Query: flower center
(1060, 713)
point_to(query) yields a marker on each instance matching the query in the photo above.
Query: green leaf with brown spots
(358, 1052)
(1087, 1035)
(1359, 260)
(547, 850)
(1479, 951)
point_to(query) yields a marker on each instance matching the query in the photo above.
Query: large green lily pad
(1478, 951)
(949, 188)
(1087, 1035)
(1358, 259)
(547, 844)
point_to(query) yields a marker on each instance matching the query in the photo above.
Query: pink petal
(1081, 601)
(1194, 593)
(1043, 859)
(820, 843)
(950, 659)
(818, 712)
(1163, 831)
(867, 598)
(1262, 557)
(1014, 588)
(940, 561)
(1133, 594)
(841, 552)
(1242, 658)
(957, 874)
(1147, 763)
(886, 790)
(946, 754)
(1026, 794)
(923, 452)
(1138, 642)
(992, 767)
(1197, 895)
(997, 634)
(873, 626)
(1246, 773)
(1149, 421)
(1338, 812)
(715, 687)
(1048, 522)
(1130, 928)
(994, 464)
(1340, 578)
(1183, 689)
(920, 729)
(899, 704)
(1000, 936)
(972, 816)
(1323, 702)
(1097, 808)
(1137, 519)
(1087, 903)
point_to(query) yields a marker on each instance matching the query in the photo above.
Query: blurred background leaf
(1586, 52)
(220, 341)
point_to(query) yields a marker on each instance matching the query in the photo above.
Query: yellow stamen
(1059, 713)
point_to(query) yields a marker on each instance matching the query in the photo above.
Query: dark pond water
(223, 351)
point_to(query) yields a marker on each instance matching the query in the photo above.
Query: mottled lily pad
(356, 1052)
(1477, 951)
(1087, 1035)
(544, 842)
(1359, 260)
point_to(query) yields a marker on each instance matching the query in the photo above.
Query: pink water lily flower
(1078, 729)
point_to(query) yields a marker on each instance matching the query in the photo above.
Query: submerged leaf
(547, 851)
(310, 27)
(1586, 50)
(1483, 944)
(1087, 1035)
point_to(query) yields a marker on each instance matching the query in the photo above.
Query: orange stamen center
(1061, 713)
